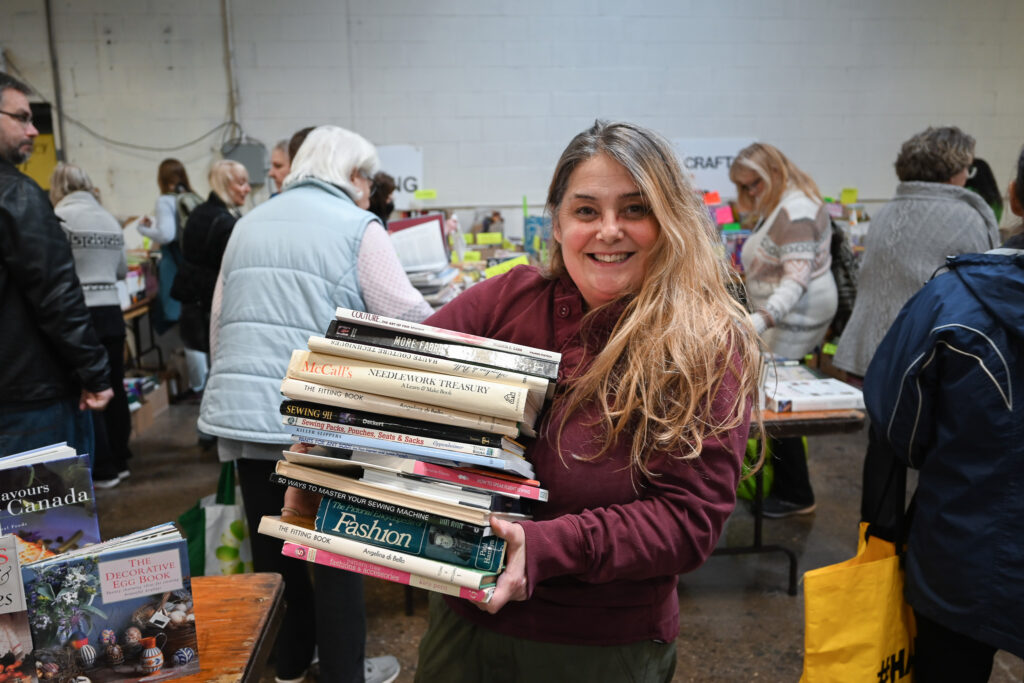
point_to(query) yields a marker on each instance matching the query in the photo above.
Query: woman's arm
(165, 227)
(384, 284)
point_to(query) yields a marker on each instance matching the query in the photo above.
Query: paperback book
(315, 411)
(121, 610)
(383, 405)
(451, 349)
(48, 501)
(377, 571)
(441, 571)
(422, 538)
(791, 396)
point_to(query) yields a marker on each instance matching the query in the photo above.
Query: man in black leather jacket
(52, 365)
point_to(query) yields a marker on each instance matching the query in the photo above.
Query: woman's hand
(511, 582)
(299, 503)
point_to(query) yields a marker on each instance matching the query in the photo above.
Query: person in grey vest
(289, 264)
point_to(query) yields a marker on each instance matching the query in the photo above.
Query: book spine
(417, 361)
(463, 478)
(359, 443)
(371, 403)
(329, 559)
(420, 538)
(448, 335)
(371, 504)
(392, 437)
(391, 339)
(458, 393)
(441, 571)
(391, 424)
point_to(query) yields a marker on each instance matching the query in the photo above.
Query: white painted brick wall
(492, 91)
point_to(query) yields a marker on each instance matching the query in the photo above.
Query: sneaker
(125, 473)
(106, 483)
(776, 508)
(381, 669)
(300, 679)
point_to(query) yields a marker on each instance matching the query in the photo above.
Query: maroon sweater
(601, 556)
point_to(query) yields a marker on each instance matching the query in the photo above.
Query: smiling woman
(646, 431)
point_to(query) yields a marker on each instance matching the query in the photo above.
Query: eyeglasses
(751, 186)
(24, 118)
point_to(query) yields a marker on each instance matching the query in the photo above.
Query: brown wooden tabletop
(237, 619)
(811, 422)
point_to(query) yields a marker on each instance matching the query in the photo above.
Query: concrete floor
(737, 622)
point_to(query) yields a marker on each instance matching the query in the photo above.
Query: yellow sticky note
(506, 266)
(469, 238)
(536, 242)
(505, 244)
(471, 256)
(489, 238)
(829, 349)
(425, 194)
(848, 195)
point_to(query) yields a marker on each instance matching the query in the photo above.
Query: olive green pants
(455, 651)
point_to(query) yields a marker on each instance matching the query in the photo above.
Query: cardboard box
(153, 403)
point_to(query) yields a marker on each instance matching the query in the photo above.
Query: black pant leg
(941, 655)
(297, 637)
(791, 481)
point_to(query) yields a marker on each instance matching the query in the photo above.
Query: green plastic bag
(218, 537)
(746, 488)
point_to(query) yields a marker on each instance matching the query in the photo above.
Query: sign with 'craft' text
(706, 162)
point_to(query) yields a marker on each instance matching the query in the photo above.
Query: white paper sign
(404, 163)
(706, 162)
(141, 575)
(12, 594)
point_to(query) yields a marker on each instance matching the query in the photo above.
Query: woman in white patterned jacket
(790, 288)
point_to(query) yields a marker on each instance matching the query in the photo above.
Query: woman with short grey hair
(931, 217)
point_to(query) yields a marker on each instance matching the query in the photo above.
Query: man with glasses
(54, 367)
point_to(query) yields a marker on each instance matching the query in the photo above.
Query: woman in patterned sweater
(790, 288)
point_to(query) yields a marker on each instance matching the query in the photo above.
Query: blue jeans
(22, 429)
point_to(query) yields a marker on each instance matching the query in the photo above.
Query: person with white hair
(280, 165)
(290, 263)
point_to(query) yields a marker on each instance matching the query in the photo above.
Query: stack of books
(791, 387)
(438, 287)
(431, 417)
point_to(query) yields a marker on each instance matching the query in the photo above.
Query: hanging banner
(706, 162)
(404, 163)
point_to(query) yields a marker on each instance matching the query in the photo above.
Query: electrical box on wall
(250, 153)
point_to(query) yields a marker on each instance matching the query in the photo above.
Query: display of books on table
(119, 610)
(798, 395)
(410, 436)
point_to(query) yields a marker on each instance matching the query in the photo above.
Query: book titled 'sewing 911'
(120, 610)
(47, 501)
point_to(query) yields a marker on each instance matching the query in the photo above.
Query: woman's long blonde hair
(682, 335)
(777, 173)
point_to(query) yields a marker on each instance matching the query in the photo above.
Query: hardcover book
(121, 610)
(422, 538)
(47, 501)
(329, 559)
(443, 391)
(418, 361)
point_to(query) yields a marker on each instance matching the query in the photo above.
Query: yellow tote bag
(857, 626)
